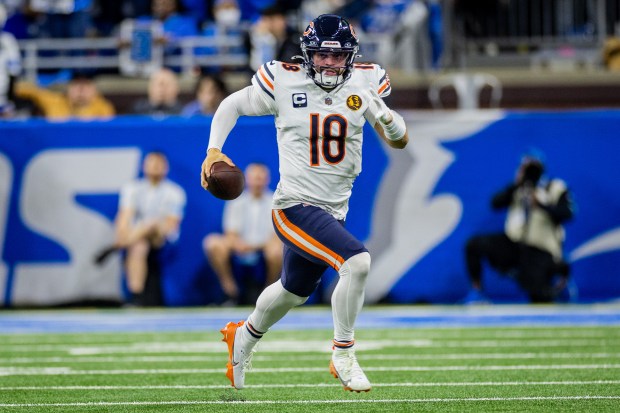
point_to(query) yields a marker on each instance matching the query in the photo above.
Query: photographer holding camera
(530, 248)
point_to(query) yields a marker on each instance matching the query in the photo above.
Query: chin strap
(320, 78)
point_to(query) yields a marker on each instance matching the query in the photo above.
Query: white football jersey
(153, 202)
(319, 132)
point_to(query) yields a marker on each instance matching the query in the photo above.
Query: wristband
(396, 129)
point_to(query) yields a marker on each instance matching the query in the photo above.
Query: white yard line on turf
(305, 385)
(67, 371)
(318, 357)
(279, 346)
(310, 402)
(514, 333)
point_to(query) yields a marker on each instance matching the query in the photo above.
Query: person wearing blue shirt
(175, 23)
(67, 19)
(210, 91)
(227, 22)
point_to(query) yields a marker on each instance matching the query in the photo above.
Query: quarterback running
(320, 107)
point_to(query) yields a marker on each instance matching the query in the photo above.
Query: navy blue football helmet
(329, 33)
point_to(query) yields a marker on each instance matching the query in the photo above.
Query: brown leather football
(225, 182)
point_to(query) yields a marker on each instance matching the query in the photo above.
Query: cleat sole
(356, 391)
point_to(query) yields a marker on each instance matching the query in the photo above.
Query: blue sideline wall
(414, 208)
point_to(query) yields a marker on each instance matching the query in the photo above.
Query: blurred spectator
(61, 19)
(141, 45)
(227, 22)
(248, 240)
(271, 38)
(210, 91)
(404, 31)
(19, 19)
(164, 27)
(147, 225)
(64, 19)
(176, 24)
(530, 248)
(107, 15)
(435, 30)
(353, 10)
(10, 68)
(309, 9)
(163, 95)
(251, 9)
(226, 13)
(383, 16)
(81, 100)
(611, 54)
(196, 8)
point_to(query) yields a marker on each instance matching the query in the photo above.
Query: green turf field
(472, 369)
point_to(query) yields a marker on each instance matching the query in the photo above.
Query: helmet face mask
(326, 34)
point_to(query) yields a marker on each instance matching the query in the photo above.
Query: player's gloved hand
(377, 107)
(213, 155)
(393, 124)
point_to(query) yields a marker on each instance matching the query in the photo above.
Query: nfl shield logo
(328, 101)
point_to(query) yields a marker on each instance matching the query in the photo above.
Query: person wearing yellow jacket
(81, 100)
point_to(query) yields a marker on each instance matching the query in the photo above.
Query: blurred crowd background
(440, 53)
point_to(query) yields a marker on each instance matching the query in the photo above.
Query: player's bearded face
(330, 63)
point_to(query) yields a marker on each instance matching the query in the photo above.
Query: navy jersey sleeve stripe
(268, 72)
(258, 81)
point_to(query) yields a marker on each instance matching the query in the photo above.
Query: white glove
(393, 124)
(377, 106)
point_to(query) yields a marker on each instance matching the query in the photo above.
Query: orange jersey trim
(265, 78)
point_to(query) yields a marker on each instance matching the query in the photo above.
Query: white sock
(348, 296)
(273, 304)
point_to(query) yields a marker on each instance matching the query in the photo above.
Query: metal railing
(184, 54)
(528, 33)
(109, 53)
(519, 31)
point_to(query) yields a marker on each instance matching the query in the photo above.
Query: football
(225, 182)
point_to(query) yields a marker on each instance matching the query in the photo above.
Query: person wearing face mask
(530, 247)
(227, 13)
(227, 23)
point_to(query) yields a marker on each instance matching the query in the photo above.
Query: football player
(320, 108)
